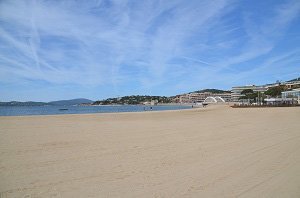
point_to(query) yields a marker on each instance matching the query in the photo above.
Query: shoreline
(112, 113)
(83, 113)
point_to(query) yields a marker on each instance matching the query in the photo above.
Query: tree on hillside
(249, 94)
(247, 91)
(275, 91)
(217, 91)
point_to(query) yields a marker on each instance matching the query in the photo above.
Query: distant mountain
(59, 102)
(71, 102)
(29, 103)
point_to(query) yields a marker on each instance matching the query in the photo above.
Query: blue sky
(53, 50)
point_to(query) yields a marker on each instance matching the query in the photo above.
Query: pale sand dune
(212, 152)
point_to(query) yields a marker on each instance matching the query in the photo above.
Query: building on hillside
(289, 84)
(185, 98)
(154, 102)
(236, 92)
(176, 99)
(272, 85)
(292, 84)
(200, 97)
(225, 96)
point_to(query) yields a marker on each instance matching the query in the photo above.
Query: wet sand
(210, 152)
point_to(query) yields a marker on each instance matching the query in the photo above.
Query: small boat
(63, 109)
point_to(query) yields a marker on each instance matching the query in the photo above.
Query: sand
(213, 152)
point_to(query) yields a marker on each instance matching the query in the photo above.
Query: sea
(56, 110)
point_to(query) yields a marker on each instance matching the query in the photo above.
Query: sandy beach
(209, 152)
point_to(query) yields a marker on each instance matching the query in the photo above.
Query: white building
(200, 97)
(294, 94)
(278, 101)
(236, 92)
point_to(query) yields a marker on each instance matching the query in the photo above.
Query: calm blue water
(53, 110)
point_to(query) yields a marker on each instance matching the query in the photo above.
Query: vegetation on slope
(133, 100)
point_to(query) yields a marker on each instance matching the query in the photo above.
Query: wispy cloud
(95, 40)
(263, 33)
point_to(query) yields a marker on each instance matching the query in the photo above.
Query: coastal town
(279, 92)
(286, 92)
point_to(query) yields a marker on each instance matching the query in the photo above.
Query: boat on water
(63, 109)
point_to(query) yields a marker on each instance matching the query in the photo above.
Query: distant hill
(296, 79)
(217, 91)
(29, 103)
(133, 100)
(71, 102)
